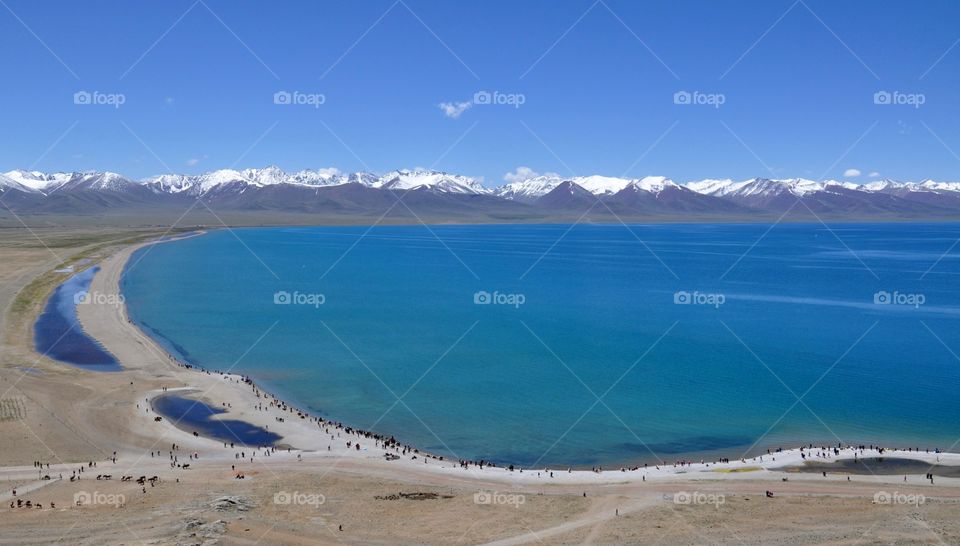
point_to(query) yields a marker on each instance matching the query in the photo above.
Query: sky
(852, 90)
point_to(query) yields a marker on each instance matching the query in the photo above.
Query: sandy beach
(328, 485)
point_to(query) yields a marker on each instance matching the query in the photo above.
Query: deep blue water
(195, 416)
(598, 365)
(58, 334)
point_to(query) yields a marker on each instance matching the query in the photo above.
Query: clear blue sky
(198, 81)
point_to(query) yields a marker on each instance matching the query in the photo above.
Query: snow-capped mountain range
(329, 190)
(255, 178)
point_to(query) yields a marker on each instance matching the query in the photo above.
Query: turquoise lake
(553, 345)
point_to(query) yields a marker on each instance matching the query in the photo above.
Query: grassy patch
(30, 299)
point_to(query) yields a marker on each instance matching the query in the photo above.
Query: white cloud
(329, 171)
(194, 161)
(525, 173)
(850, 173)
(454, 109)
(874, 174)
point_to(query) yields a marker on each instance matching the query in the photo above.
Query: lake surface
(58, 334)
(195, 416)
(585, 345)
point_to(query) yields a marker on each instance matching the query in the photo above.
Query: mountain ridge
(329, 190)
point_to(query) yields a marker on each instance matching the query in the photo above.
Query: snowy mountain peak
(720, 187)
(322, 177)
(36, 180)
(654, 184)
(881, 186)
(529, 189)
(366, 179)
(266, 176)
(6, 182)
(602, 185)
(803, 186)
(940, 186)
(710, 186)
(170, 183)
(760, 187)
(430, 180)
(104, 181)
(841, 184)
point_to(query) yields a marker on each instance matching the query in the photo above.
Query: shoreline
(242, 399)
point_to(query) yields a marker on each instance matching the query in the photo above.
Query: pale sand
(89, 415)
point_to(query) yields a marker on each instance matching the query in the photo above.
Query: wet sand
(880, 466)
